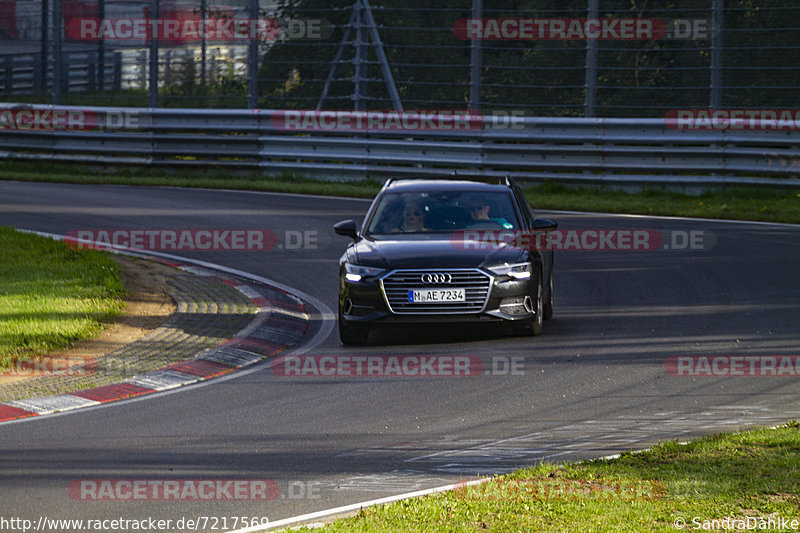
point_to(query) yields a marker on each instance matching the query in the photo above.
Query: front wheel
(548, 306)
(352, 335)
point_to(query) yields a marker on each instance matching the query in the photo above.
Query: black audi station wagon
(445, 250)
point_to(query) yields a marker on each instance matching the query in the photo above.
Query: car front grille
(397, 283)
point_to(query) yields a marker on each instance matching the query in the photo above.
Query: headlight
(357, 272)
(516, 271)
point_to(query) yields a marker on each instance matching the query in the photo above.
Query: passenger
(413, 219)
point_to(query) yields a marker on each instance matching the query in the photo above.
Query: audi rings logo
(436, 277)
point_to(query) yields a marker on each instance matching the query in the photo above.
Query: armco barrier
(620, 151)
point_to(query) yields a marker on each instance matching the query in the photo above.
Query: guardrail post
(150, 128)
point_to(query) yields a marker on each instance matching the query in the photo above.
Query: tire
(533, 326)
(548, 306)
(352, 335)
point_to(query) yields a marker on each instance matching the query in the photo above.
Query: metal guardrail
(618, 151)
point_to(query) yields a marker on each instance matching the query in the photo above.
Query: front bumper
(508, 300)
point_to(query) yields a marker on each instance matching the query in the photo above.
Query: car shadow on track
(439, 334)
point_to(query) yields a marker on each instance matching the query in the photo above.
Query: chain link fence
(575, 58)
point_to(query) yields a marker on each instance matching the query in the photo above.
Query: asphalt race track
(597, 382)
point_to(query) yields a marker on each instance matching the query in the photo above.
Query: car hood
(433, 252)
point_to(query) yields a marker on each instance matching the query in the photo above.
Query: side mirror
(544, 224)
(347, 228)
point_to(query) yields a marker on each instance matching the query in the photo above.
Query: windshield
(441, 212)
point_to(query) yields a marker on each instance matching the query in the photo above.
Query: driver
(478, 210)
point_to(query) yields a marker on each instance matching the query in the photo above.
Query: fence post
(168, 75)
(252, 62)
(8, 73)
(152, 88)
(91, 70)
(57, 66)
(590, 87)
(360, 74)
(63, 77)
(117, 71)
(204, 44)
(212, 65)
(475, 59)
(143, 69)
(36, 76)
(717, 25)
(101, 49)
(43, 51)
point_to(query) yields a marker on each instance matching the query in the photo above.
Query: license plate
(436, 295)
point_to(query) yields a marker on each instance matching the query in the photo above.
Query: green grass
(46, 172)
(737, 203)
(52, 296)
(740, 475)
